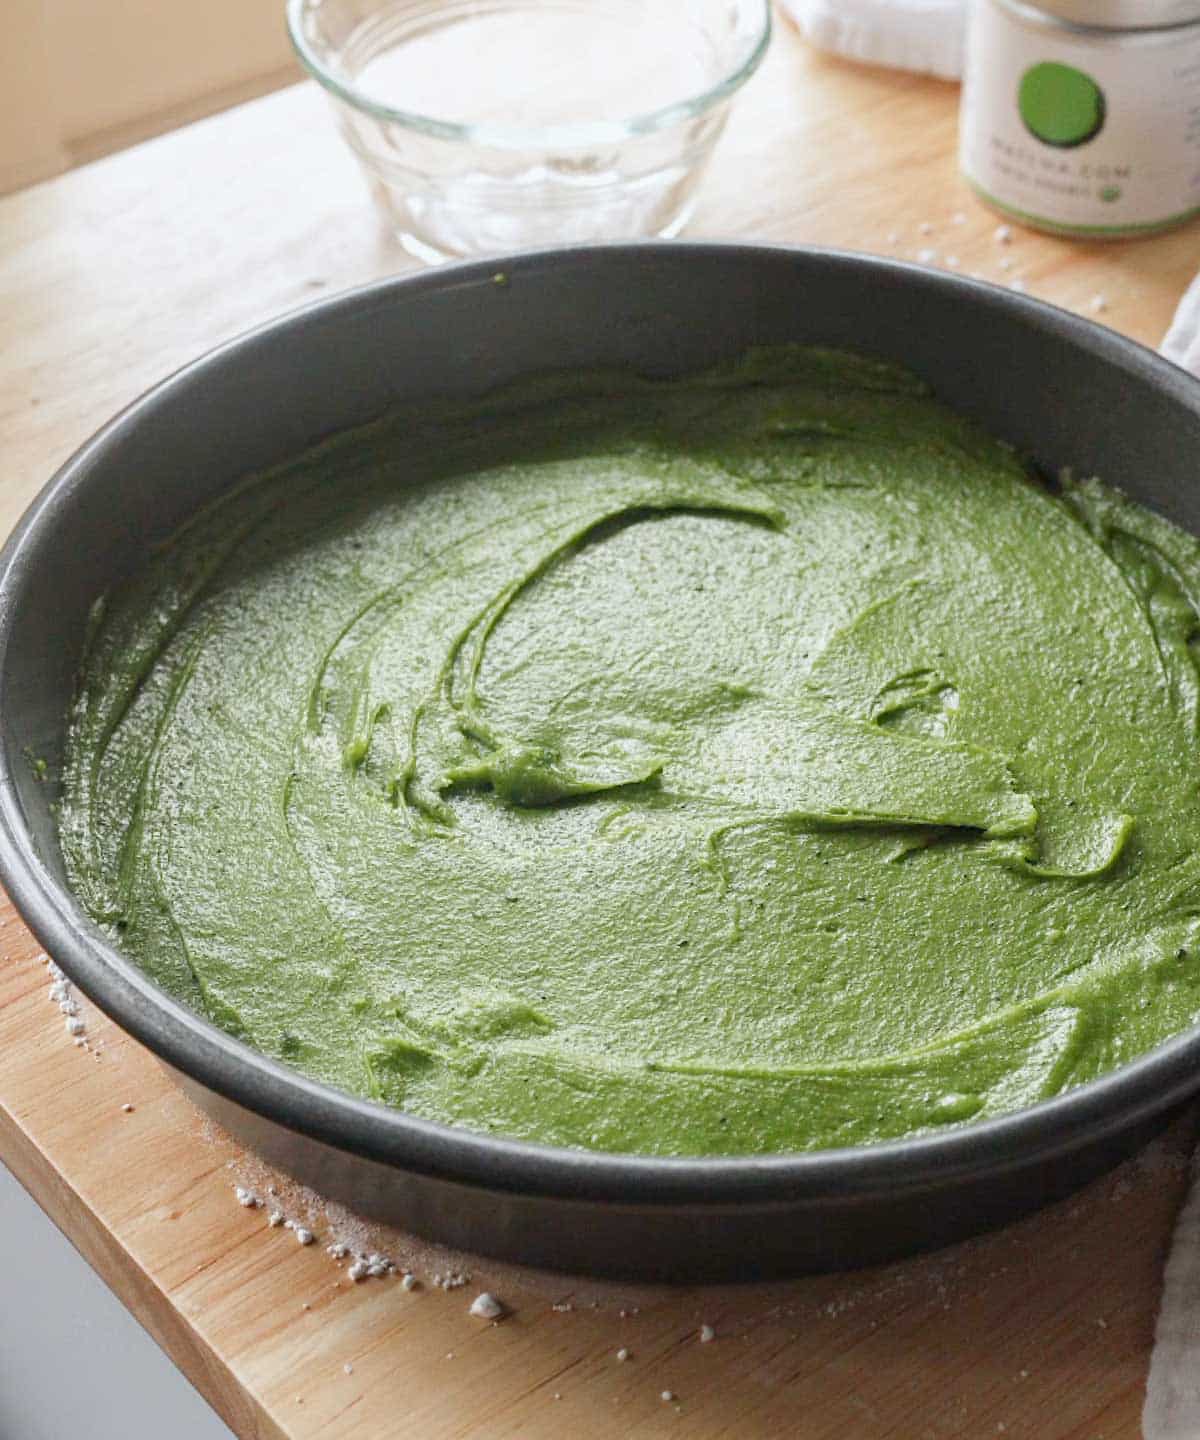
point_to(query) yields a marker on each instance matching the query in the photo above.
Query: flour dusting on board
(366, 1254)
(63, 994)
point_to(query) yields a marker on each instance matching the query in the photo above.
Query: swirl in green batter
(755, 761)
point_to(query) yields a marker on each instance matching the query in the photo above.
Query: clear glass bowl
(492, 125)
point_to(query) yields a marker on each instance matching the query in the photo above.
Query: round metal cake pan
(1062, 389)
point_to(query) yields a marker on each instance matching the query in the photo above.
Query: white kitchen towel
(908, 34)
(1183, 338)
(1172, 1409)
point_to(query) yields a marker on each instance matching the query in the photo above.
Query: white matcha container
(1082, 117)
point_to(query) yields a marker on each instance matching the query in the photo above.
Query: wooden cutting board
(115, 274)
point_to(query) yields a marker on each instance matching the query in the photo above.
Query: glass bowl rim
(505, 137)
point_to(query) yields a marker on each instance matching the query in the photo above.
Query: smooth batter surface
(756, 761)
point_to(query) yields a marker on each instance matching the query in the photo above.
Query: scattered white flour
(368, 1250)
(668, 1396)
(303, 1236)
(707, 1334)
(1004, 234)
(927, 256)
(622, 1354)
(952, 262)
(925, 228)
(1019, 286)
(127, 1108)
(959, 217)
(246, 1197)
(275, 1219)
(485, 1306)
(1097, 304)
(63, 995)
(348, 1368)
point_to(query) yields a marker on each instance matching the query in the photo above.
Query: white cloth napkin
(1172, 1409)
(908, 34)
(1183, 341)
(927, 35)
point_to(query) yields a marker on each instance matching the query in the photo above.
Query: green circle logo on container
(1060, 105)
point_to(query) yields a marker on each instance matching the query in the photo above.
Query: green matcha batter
(755, 761)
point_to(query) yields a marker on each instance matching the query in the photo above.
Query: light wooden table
(115, 274)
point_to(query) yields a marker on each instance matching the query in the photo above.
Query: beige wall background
(80, 78)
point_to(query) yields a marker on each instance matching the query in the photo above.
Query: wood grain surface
(114, 275)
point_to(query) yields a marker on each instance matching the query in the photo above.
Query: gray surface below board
(73, 1361)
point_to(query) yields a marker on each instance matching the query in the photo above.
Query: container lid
(1119, 14)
